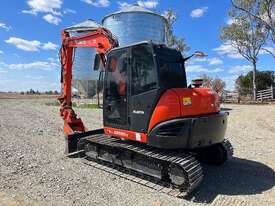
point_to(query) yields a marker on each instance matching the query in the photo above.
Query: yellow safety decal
(187, 101)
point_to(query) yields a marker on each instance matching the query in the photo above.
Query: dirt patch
(10, 200)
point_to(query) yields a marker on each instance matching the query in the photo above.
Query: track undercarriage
(175, 172)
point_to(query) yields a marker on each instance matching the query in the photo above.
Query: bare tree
(246, 35)
(172, 40)
(216, 84)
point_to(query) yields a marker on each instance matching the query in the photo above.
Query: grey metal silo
(83, 73)
(134, 24)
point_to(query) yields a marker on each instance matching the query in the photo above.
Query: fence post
(261, 96)
(272, 93)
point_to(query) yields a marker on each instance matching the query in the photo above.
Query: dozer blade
(173, 172)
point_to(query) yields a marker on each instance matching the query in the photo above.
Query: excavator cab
(145, 91)
(134, 78)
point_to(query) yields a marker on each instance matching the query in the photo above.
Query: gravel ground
(34, 170)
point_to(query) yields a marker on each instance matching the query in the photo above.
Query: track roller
(178, 177)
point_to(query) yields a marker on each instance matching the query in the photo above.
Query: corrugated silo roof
(131, 9)
(86, 25)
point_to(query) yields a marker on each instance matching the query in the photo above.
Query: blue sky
(30, 38)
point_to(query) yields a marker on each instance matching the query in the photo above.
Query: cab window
(117, 75)
(144, 77)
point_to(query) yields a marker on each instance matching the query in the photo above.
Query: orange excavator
(155, 126)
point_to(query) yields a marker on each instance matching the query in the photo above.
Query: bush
(264, 80)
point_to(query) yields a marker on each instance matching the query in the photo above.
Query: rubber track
(229, 148)
(183, 160)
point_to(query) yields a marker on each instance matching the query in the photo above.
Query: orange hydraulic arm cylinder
(102, 40)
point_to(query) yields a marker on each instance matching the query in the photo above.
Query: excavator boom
(102, 40)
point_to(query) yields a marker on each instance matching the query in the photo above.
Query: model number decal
(119, 133)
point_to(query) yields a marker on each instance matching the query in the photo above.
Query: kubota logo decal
(187, 101)
(138, 112)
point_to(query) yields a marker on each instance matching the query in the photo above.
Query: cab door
(144, 90)
(115, 105)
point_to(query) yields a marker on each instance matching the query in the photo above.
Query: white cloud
(196, 13)
(3, 71)
(24, 44)
(215, 61)
(194, 60)
(33, 45)
(98, 3)
(69, 11)
(230, 82)
(265, 49)
(44, 6)
(49, 46)
(195, 68)
(4, 26)
(150, 4)
(228, 50)
(210, 61)
(50, 7)
(53, 59)
(29, 12)
(1, 52)
(240, 69)
(123, 5)
(216, 70)
(201, 69)
(34, 77)
(87, 1)
(52, 19)
(38, 65)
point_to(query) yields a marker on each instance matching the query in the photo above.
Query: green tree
(172, 40)
(31, 91)
(263, 11)
(264, 80)
(246, 35)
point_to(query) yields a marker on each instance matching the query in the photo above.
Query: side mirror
(199, 54)
(97, 62)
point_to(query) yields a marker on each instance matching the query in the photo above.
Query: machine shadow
(236, 177)
(226, 109)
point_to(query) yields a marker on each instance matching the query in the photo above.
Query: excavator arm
(102, 40)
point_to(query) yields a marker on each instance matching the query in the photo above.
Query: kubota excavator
(155, 125)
